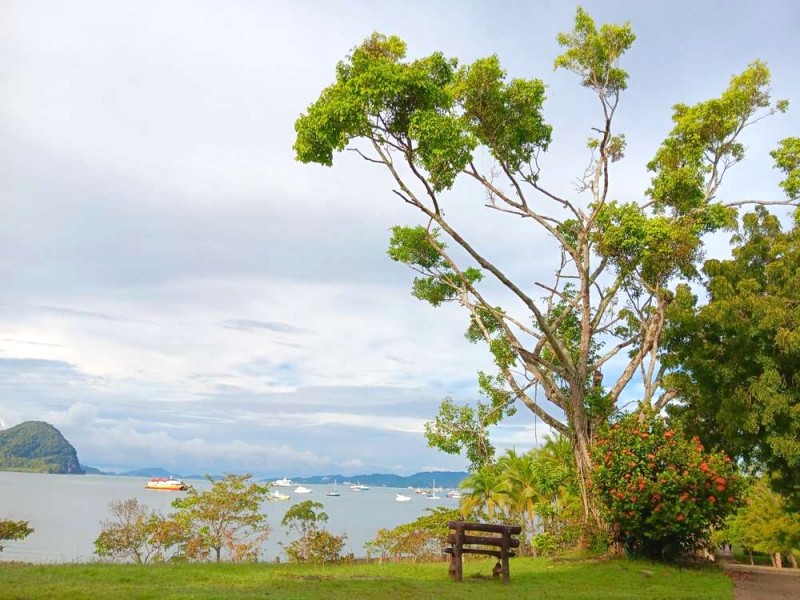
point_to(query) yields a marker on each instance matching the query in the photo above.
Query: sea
(66, 512)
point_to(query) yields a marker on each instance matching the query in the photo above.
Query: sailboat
(432, 495)
(334, 492)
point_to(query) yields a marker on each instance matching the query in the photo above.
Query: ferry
(168, 484)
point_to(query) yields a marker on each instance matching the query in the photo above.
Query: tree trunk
(792, 560)
(581, 446)
(777, 561)
(218, 550)
(751, 558)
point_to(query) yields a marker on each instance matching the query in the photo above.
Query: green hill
(37, 447)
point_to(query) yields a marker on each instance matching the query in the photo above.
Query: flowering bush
(663, 493)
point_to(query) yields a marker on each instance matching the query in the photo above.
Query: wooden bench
(462, 541)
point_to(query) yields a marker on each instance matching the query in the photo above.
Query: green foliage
(537, 490)
(658, 248)
(787, 159)
(316, 546)
(13, 530)
(135, 533)
(422, 539)
(304, 516)
(735, 360)
(421, 249)
(226, 517)
(38, 447)
(459, 428)
(662, 491)
(505, 117)
(703, 142)
(439, 113)
(594, 55)
(764, 522)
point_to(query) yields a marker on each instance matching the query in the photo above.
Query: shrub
(422, 539)
(662, 492)
(135, 533)
(13, 530)
(317, 546)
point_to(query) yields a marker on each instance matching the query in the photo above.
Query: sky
(177, 291)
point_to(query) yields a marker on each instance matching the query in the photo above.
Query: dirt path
(764, 583)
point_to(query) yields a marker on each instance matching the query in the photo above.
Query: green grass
(542, 579)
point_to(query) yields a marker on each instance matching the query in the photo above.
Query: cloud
(253, 325)
(31, 343)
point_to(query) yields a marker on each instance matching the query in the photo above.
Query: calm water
(66, 510)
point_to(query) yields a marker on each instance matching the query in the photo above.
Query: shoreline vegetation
(587, 578)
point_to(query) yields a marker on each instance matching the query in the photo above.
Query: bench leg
(505, 569)
(497, 570)
(456, 568)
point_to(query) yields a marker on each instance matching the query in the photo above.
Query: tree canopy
(226, 517)
(13, 530)
(736, 358)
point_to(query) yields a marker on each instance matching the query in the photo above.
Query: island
(37, 447)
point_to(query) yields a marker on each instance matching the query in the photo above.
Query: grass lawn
(530, 578)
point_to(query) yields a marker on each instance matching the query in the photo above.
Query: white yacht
(283, 483)
(402, 498)
(302, 490)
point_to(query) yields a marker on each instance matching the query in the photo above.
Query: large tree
(736, 357)
(430, 122)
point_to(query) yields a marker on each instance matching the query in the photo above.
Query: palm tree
(522, 486)
(483, 491)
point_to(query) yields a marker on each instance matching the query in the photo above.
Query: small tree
(13, 530)
(134, 533)
(765, 524)
(228, 516)
(314, 544)
(662, 492)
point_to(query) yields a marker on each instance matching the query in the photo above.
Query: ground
(764, 583)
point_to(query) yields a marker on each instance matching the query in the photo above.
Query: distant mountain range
(446, 479)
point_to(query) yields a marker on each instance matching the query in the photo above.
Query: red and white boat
(166, 484)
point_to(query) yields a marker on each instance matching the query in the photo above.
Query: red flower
(680, 517)
(703, 467)
(668, 433)
(712, 499)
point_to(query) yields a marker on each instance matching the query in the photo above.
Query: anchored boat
(168, 484)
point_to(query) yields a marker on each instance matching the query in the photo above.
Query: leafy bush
(317, 546)
(662, 491)
(13, 530)
(135, 533)
(422, 539)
